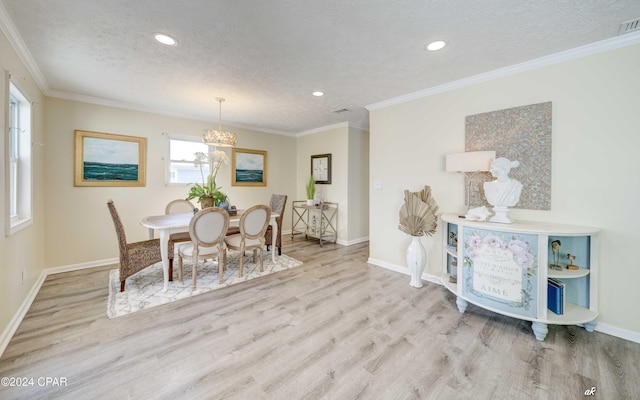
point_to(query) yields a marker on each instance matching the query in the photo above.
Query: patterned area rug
(144, 289)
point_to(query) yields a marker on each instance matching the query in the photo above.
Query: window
(13, 157)
(180, 167)
(18, 156)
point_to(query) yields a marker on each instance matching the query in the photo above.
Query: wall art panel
(519, 133)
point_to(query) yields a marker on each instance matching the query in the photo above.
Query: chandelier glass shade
(219, 137)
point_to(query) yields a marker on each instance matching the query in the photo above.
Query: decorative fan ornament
(418, 213)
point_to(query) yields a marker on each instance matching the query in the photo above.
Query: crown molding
(358, 126)
(11, 32)
(323, 128)
(136, 107)
(259, 129)
(578, 52)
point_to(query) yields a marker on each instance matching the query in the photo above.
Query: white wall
(79, 228)
(349, 168)
(24, 250)
(335, 141)
(358, 186)
(595, 166)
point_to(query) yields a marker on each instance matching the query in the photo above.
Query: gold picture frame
(248, 167)
(105, 159)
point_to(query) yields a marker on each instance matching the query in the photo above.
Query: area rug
(144, 289)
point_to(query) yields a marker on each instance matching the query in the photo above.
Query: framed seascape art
(321, 168)
(248, 167)
(104, 159)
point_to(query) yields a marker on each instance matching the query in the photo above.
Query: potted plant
(208, 193)
(418, 218)
(311, 191)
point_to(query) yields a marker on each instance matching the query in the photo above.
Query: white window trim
(24, 216)
(167, 157)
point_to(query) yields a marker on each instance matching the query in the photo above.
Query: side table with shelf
(504, 268)
(320, 222)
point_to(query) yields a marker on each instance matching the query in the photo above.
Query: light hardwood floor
(334, 328)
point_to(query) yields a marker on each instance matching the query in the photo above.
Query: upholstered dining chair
(277, 203)
(135, 256)
(207, 230)
(253, 225)
(179, 206)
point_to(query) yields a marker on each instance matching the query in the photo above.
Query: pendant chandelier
(218, 137)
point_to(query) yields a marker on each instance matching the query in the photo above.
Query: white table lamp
(469, 163)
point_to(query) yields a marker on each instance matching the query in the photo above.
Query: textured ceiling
(266, 57)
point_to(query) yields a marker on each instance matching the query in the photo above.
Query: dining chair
(207, 230)
(253, 225)
(135, 256)
(178, 206)
(277, 204)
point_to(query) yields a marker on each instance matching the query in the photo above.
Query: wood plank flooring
(334, 328)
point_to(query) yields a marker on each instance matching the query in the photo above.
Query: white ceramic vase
(416, 261)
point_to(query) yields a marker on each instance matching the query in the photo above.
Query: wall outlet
(23, 274)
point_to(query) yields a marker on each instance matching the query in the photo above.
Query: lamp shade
(218, 137)
(469, 161)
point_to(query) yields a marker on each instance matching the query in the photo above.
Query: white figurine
(478, 214)
(504, 192)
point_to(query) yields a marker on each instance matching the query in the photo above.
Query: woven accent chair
(135, 256)
(253, 225)
(207, 229)
(277, 204)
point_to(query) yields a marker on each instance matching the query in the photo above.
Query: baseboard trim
(404, 270)
(75, 267)
(11, 329)
(618, 332)
(352, 242)
(600, 327)
(341, 241)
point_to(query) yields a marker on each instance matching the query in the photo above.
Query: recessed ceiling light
(437, 45)
(318, 93)
(165, 39)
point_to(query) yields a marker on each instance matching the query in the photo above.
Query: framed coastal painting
(105, 159)
(321, 168)
(248, 167)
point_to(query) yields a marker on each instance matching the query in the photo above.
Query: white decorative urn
(416, 261)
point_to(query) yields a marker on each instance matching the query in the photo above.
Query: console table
(318, 222)
(505, 268)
